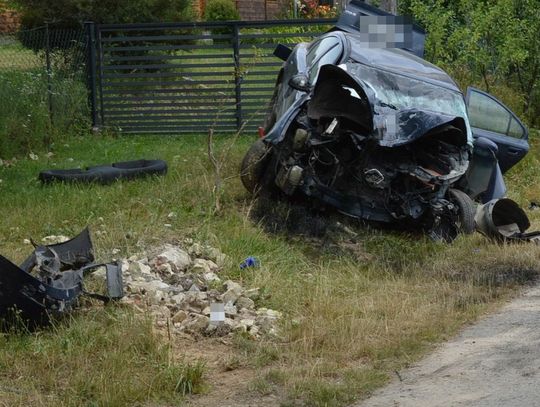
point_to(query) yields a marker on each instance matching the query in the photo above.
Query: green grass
(354, 313)
(105, 357)
(38, 110)
(14, 56)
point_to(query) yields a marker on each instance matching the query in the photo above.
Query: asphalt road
(494, 363)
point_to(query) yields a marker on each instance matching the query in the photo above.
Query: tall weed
(26, 121)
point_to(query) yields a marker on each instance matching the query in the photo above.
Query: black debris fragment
(106, 174)
(49, 282)
(503, 219)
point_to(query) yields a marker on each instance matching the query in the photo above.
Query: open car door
(491, 119)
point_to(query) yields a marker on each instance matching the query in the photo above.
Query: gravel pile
(182, 288)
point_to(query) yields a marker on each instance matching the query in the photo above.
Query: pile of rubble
(181, 288)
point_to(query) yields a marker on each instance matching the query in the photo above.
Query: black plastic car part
(105, 174)
(48, 283)
(503, 219)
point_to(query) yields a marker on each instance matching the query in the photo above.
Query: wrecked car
(380, 134)
(49, 282)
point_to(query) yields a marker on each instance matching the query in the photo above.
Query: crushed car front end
(382, 136)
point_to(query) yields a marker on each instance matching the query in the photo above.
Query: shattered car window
(398, 92)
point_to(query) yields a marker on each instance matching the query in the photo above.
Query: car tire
(466, 210)
(253, 165)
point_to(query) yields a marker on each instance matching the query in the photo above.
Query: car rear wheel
(254, 164)
(466, 210)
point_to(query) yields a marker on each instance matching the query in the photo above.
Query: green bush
(221, 10)
(493, 44)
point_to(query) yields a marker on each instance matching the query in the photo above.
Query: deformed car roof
(398, 61)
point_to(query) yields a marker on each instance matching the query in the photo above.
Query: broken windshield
(400, 92)
(407, 93)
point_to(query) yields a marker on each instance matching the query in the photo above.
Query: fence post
(91, 71)
(49, 71)
(99, 61)
(237, 75)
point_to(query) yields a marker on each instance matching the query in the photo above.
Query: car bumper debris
(49, 282)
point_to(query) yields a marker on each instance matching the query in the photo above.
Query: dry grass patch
(357, 306)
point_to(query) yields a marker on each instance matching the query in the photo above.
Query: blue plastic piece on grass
(250, 262)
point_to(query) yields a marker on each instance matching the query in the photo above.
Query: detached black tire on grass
(105, 174)
(253, 165)
(466, 210)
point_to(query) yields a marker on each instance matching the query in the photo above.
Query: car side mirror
(300, 82)
(282, 52)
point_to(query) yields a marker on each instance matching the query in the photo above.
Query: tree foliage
(221, 10)
(494, 44)
(71, 13)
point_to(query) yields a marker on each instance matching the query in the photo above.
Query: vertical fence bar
(91, 71)
(99, 61)
(49, 71)
(237, 75)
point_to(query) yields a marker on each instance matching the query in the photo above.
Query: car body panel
(391, 61)
(376, 73)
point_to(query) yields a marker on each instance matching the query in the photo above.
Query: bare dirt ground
(494, 363)
(227, 382)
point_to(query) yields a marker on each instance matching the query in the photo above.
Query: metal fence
(51, 64)
(152, 78)
(188, 77)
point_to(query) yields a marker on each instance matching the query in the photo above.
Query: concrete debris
(179, 317)
(209, 277)
(234, 291)
(244, 302)
(177, 258)
(181, 287)
(137, 269)
(252, 294)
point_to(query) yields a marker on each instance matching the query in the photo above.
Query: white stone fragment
(252, 293)
(234, 291)
(244, 302)
(210, 277)
(54, 239)
(138, 269)
(179, 317)
(176, 257)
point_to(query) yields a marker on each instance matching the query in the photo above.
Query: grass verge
(31, 117)
(106, 357)
(357, 308)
